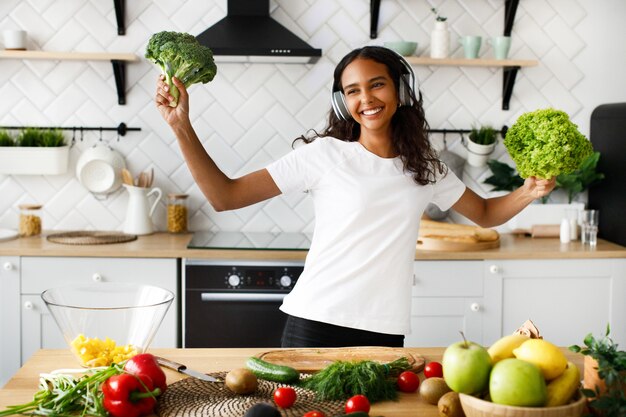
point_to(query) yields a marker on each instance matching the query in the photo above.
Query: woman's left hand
(538, 187)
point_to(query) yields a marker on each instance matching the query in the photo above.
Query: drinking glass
(589, 227)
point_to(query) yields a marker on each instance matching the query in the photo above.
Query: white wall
(249, 115)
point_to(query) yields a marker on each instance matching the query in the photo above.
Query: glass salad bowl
(107, 322)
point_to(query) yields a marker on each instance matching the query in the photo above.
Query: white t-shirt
(359, 270)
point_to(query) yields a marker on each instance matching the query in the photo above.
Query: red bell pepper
(127, 395)
(146, 364)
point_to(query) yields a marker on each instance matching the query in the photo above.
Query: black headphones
(407, 84)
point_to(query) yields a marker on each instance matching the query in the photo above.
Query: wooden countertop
(165, 245)
(24, 384)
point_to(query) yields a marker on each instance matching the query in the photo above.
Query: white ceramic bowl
(99, 169)
(107, 321)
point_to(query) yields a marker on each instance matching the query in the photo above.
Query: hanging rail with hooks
(121, 129)
(502, 131)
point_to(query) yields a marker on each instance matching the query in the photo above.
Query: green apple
(517, 382)
(466, 367)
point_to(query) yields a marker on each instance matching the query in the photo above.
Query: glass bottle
(177, 213)
(30, 219)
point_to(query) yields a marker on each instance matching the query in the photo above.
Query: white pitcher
(139, 212)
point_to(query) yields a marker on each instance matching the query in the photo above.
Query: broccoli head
(545, 143)
(180, 55)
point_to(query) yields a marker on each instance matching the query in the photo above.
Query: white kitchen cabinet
(447, 299)
(9, 320)
(565, 298)
(28, 323)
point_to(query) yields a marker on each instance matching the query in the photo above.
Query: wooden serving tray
(312, 360)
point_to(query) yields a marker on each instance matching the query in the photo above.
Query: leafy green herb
(485, 135)
(6, 139)
(579, 180)
(29, 137)
(545, 143)
(62, 395)
(504, 177)
(611, 369)
(342, 379)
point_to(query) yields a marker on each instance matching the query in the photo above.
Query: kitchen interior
(229, 270)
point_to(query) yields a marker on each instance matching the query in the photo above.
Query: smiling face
(371, 95)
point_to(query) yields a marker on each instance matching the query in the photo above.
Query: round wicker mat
(84, 237)
(192, 397)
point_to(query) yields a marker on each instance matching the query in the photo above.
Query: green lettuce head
(545, 143)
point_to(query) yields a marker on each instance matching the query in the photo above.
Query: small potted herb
(481, 143)
(604, 375)
(33, 151)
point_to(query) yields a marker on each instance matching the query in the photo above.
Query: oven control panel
(244, 277)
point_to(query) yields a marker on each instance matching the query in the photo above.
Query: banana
(563, 388)
(503, 347)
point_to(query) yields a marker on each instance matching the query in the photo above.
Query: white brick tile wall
(250, 114)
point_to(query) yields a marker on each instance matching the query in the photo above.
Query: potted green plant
(33, 151)
(481, 143)
(604, 382)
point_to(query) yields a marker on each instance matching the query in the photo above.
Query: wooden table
(23, 385)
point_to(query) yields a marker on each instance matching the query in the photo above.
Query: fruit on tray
(517, 382)
(525, 370)
(503, 348)
(563, 388)
(545, 355)
(466, 367)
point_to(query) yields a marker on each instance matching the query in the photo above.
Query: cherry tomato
(284, 397)
(358, 403)
(314, 414)
(433, 369)
(408, 381)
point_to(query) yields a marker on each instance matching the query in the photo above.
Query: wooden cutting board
(441, 244)
(441, 236)
(311, 360)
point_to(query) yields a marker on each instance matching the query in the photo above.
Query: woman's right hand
(174, 116)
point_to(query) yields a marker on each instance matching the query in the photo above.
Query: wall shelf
(118, 61)
(510, 67)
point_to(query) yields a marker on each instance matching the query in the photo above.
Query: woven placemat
(192, 397)
(84, 237)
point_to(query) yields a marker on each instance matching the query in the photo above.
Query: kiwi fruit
(449, 405)
(241, 381)
(432, 389)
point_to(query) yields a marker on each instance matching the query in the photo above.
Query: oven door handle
(210, 296)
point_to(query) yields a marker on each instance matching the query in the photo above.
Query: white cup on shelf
(14, 39)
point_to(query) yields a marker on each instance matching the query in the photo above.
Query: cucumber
(355, 414)
(272, 372)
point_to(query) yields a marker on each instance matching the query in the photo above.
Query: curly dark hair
(409, 126)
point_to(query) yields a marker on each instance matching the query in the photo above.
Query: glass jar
(30, 219)
(177, 213)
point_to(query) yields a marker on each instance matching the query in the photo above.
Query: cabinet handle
(28, 305)
(494, 269)
(7, 266)
(96, 277)
(475, 307)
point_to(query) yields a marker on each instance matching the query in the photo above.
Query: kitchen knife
(179, 367)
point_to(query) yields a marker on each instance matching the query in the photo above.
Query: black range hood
(249, 34)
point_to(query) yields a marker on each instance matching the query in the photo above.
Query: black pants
(301, 332)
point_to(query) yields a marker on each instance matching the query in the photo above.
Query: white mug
(14, 39)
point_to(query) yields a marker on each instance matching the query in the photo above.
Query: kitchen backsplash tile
(250, 114)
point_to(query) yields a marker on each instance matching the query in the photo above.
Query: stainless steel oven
(235, 303)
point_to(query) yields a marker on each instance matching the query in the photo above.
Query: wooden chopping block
(435, 235)
(540, 230)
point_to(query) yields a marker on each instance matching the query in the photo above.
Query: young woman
(371, 173)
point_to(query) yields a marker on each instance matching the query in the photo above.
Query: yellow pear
(503, 347)
(545, 355)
